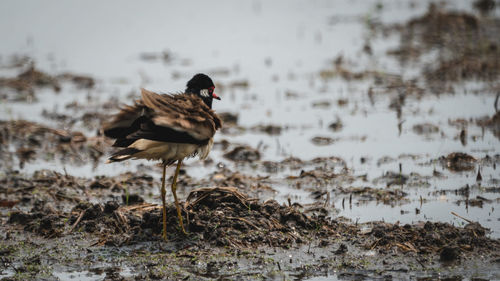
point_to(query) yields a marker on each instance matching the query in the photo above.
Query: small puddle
(79, 275)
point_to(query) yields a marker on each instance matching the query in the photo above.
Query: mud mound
(430, 237)
(48, 192)
(222, 216)
(242, 154)
(458, 161)
(227, 217)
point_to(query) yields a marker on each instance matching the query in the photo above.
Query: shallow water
(277, 53)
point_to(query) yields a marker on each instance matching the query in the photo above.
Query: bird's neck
(208, 102)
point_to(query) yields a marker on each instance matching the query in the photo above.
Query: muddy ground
(250, 216)
(54, 223)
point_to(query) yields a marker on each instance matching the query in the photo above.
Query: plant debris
(26, 83)
(425, 129)
(458, 162)
(428, 237)
(451, 33)
(320, 140)
(33, 140)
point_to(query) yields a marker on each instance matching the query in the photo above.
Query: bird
(167, 127)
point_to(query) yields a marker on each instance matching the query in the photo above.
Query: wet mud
(253, 210)
(24, 86)
(24, 141)
(223, 224)
(452, 34)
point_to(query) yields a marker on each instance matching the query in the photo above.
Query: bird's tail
(123, 154)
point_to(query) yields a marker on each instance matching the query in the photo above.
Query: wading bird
(168, 128)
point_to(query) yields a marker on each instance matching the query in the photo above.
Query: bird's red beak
(215, 96)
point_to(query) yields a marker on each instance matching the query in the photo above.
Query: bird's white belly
(167, 150)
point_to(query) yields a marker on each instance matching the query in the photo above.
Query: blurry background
(391, 88)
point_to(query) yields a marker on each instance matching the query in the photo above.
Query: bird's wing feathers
(124, 123)
(183, 113)
(168, 118)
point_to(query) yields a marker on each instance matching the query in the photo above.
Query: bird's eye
(211, 90)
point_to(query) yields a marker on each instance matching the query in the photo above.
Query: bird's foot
(184, 231)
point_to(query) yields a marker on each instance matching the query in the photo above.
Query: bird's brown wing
(183, 113)
(124, 123)
(179, 118)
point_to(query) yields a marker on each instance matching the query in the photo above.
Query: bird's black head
(202, 86)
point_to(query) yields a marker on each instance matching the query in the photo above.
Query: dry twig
(77, 221)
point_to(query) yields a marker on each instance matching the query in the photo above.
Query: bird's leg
(174, 187)
(163, 193)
